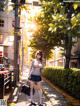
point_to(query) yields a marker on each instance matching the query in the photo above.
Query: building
(57, 59)
(75, 59)
(6, 34)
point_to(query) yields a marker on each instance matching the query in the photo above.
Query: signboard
(1, 54)
(3, 102)
(71, 0)
(1, 51)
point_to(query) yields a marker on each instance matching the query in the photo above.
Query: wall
(7, 32)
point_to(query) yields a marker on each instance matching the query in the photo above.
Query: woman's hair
(39, 53)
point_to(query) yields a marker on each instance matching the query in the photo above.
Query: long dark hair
(41, 54)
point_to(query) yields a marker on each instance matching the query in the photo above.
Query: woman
(35, 77)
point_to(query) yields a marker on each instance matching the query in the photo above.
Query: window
(1, 23)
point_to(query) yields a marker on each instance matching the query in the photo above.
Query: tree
(59, 24)
(40, 40)
(2, 5)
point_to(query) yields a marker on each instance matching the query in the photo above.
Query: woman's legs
(31, 92)
(37, 86)
(40, 92)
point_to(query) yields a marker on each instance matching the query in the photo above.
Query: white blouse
(36, 67)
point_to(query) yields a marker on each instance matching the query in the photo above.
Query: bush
(67, 79)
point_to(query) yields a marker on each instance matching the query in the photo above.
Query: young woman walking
(35, 77)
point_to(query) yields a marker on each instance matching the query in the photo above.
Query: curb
(72, 101)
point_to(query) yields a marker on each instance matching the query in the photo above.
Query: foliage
(68, 79)
(56, 15)
(1, 5)
(40, 39)
(56, 25)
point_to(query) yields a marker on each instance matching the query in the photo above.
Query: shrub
(67, 79)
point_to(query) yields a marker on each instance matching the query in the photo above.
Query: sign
(20, 1)
(3, 102)
(1, 51)
(35, 3)
(71, 0)
(1, 54)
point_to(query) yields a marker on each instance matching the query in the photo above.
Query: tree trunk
(67, 61)
(44, 62)
(78, 60)
(68, 48)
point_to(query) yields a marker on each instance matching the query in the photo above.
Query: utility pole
(16, 42)
(17, 37)
(22, 48)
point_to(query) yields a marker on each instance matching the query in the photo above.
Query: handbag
(26, 90)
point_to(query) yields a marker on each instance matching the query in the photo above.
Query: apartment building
(6, 34)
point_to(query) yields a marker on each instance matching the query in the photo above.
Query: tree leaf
(75, 6)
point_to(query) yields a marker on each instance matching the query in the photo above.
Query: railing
(6, 79)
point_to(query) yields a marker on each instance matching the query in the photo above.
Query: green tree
(2, 5)
(57, 26)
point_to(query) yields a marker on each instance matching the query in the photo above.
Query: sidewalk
(54, 97)
(24, 100)
(51, 97)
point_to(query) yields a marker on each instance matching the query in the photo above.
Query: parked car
(2, 67)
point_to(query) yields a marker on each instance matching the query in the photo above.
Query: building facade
(6, 34)
(75, 59)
